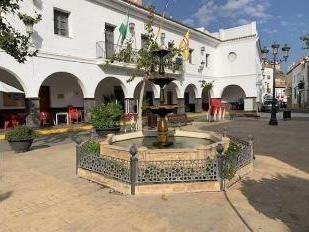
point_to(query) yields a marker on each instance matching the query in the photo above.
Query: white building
(267, 81)
(299, 74)
(75, 37)
(280, 85)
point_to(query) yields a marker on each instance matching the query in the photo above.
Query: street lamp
(285, 53)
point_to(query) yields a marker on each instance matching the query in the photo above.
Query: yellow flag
(184, 46)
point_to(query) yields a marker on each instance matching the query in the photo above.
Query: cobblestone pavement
(40, 192)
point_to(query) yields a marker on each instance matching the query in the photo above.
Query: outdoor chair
(12, 122)
(74, 115)
(46, 119)
(129, 120)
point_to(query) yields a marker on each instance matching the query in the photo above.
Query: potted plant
(106, 118)
(20, 138)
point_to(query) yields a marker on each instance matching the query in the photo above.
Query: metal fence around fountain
(135, 172)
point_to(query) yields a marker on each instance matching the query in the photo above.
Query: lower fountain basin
(187, 145)
(178, 142)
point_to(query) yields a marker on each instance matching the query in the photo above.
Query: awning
(8, 89)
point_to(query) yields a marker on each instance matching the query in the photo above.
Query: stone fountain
(162, 109)
(161, 161)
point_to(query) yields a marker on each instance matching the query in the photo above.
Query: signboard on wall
(13, 99)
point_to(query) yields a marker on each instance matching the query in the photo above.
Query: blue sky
(283, 21)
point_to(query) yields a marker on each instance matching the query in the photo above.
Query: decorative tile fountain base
(161, 171)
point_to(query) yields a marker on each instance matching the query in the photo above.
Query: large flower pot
(103, 132)
(20, 145)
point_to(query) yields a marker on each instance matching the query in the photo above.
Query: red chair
(45, 118)
(74, 114)
(13, 121)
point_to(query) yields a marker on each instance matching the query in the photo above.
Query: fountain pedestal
(163, 132)
(162, 110)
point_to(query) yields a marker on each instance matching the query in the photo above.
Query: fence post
(78, 151)
(250, 137)
(225, 131)
(133, 168)
(220, 158)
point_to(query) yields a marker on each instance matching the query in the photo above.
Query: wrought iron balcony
(130, 55)
(107, 50)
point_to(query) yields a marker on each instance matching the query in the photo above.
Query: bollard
(78, 151)
(225, 131)
(133, 168)
(93, 134)
(220, 158)
(250, 137)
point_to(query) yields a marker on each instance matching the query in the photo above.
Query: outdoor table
(62, 114)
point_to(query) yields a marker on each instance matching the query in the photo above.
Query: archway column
(181, 106)
(198, 105)
(33, 112)
(250, 104)
(88, 104)
(156, 101)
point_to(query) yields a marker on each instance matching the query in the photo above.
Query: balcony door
(109, 40)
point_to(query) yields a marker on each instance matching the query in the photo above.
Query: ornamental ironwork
(106, 165)
(244, 157)
(175, 171)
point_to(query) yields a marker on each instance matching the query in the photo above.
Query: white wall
(76, 54)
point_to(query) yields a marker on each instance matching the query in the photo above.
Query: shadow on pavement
(285, 142)
(4, 196)
(284, 198)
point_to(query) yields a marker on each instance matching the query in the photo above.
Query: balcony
(105, 51)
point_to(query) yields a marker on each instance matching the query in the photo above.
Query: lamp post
(285, 53)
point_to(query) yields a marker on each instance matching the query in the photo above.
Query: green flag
(123, 29)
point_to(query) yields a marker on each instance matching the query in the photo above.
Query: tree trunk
(140, 107)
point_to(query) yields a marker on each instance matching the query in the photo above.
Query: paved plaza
(40, 192)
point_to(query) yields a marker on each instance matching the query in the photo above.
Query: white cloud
(234, 11)
(300, 15)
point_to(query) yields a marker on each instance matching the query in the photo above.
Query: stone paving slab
(40, 192)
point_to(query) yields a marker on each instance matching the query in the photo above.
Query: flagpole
(163, 16)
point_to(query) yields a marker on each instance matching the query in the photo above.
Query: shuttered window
(61, 23)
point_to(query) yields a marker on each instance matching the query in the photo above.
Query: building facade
(76, 37)
(267, 81)
(299, 75)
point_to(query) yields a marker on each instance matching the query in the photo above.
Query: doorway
(109, 40)
(44, 96)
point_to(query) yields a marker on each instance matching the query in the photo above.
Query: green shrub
(106, 115)
(233, 150)
(229, 169)
(91, 147)
(20, 133)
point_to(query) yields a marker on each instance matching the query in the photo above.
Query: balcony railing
(106, 50)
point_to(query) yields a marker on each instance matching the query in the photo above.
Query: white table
(62, 114)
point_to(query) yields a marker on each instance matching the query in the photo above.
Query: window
(206, 60)
(144, 40)
(109, 40)
(61, 23)
(232, 56)
(268, 77)
(190, 55)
